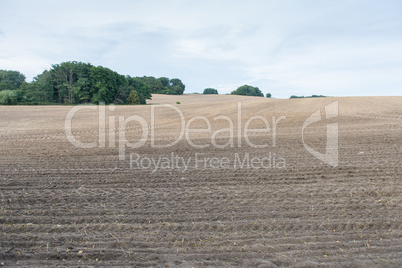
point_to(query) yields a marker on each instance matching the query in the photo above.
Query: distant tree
(177, 86)
(105, 84)
(143, 90)
(312, 96)
(164, 85)
(318, 96)
(268, 95)
(8, 97)
(75, 82)
(210, 91)
(247, 90)
(158, 86)
(43, 86)
(65, 76)
(31, 93)
(133, 98)
(164, 81)
(11, 80)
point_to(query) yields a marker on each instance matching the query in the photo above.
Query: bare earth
(66, 205)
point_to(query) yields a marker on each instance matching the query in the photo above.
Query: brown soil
(64, 205)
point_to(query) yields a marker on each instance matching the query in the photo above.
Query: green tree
(8, 97)
(210, 91)
(11, 80)
(143, 90)
(66, 85)
(163, 85)
(151, 82)
(40, 90)
(164, 81)
(75, 82)
(268, 95)
(31, 93)
(105, 84)
(154, 84)
(247, 90)
(133, 98)
(177, 86)
(296, 97)
(312, 96)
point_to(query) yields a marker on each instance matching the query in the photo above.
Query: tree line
(244, 90)
(312, 96)
(77, 82)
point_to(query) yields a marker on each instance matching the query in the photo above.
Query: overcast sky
(301, 47)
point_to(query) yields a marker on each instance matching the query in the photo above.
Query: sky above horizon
(333, 48)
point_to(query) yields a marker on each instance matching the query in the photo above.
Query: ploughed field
(154, 191)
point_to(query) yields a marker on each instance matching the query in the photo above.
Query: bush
(247, 90)
(133, 98)
(268, 95)
(177, 102)
(8, 97)
(210, 91)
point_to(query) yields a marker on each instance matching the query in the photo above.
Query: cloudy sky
(289, 47)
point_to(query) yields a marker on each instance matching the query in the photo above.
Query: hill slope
(227, 204)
